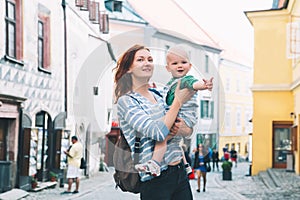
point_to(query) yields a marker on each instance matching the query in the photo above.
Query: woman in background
(200, 165)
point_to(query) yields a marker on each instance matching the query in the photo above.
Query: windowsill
(44, 70)
(13, 60)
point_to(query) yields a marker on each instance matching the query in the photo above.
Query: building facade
(236, 107)
(31, 89)
(276, 86)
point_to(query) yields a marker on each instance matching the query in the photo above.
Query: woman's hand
(182, 96)
(183, 129)
(174, 129)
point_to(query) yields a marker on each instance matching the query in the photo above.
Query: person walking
(215, 159)
(200, 165)
(233, 156)
(142, 110)
(74, 154)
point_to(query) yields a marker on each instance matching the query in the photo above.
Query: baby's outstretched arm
(205, 85)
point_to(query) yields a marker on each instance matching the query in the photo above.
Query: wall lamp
(292, 114)
(95, 89)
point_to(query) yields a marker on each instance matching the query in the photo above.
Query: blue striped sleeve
(143, 118)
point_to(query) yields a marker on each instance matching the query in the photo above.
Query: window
(113, 5)
(238, 147)
(207, 109)
(238, 118)
(43, 45)
(206, 63)
(104, 23)
(94, 12)
(238, 85)
(40, 44)
(227, 119)
(14, 30)
(227, 84)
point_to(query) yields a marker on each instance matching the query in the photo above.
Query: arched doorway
(44, 133)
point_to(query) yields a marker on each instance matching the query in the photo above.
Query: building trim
(276, 87)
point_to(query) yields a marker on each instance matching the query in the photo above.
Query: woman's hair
(204, 149)
(123, 80)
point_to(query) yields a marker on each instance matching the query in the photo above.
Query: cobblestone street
(242, 187)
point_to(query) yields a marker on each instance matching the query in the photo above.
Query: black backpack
(126, 176)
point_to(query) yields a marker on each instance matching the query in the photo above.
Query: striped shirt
(188, 111)
(138, 114)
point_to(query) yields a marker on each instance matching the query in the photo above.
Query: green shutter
(202, 109)
(211, 109)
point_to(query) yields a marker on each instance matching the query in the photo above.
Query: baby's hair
(178, 50)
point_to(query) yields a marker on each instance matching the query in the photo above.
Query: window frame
(206, 109)
(206, 64)
(44, 19)
(17, 23)
(40, 39)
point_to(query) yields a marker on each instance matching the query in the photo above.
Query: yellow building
(236, 105)
(276, 86)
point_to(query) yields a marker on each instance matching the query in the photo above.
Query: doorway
(43, 124)
(3, 140)
(282, 143)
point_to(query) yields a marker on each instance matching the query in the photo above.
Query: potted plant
(226, 166)
(33, 182)
(53, 176)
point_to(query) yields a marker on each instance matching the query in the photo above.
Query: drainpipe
(63, 4)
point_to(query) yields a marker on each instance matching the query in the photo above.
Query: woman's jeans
(172, 184)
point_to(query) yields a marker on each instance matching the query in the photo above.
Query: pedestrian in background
(215, 159)
(200, 165)
(233, 156)
(74, 154)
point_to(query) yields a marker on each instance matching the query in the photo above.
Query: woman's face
(142, 66)
(200, 147)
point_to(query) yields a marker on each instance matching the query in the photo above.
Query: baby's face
(178, 65)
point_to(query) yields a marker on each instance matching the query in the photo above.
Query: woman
(142, 110)
(200, 165)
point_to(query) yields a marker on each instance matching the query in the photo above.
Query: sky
(226, 22)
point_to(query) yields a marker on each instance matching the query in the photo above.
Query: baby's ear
(167, 67)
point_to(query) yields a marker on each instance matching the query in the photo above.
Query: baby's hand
(208, 83)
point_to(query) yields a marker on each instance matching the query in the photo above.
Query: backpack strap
(156, 92)
(137, 148)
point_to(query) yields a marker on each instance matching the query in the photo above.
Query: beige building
(235, 106)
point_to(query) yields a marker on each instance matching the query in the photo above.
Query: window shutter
(92, 13)
(85, 5)
(202, 108)
(19, 29)
(104, 23)
(211, 109)
(47, 43)
(79, 3)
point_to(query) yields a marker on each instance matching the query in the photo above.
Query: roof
(168, 17)
(127, 14)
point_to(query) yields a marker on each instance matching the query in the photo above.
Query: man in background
(74, 154)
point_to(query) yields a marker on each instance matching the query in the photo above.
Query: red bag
(192, 175)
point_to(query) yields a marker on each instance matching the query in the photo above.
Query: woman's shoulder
(128, 98)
